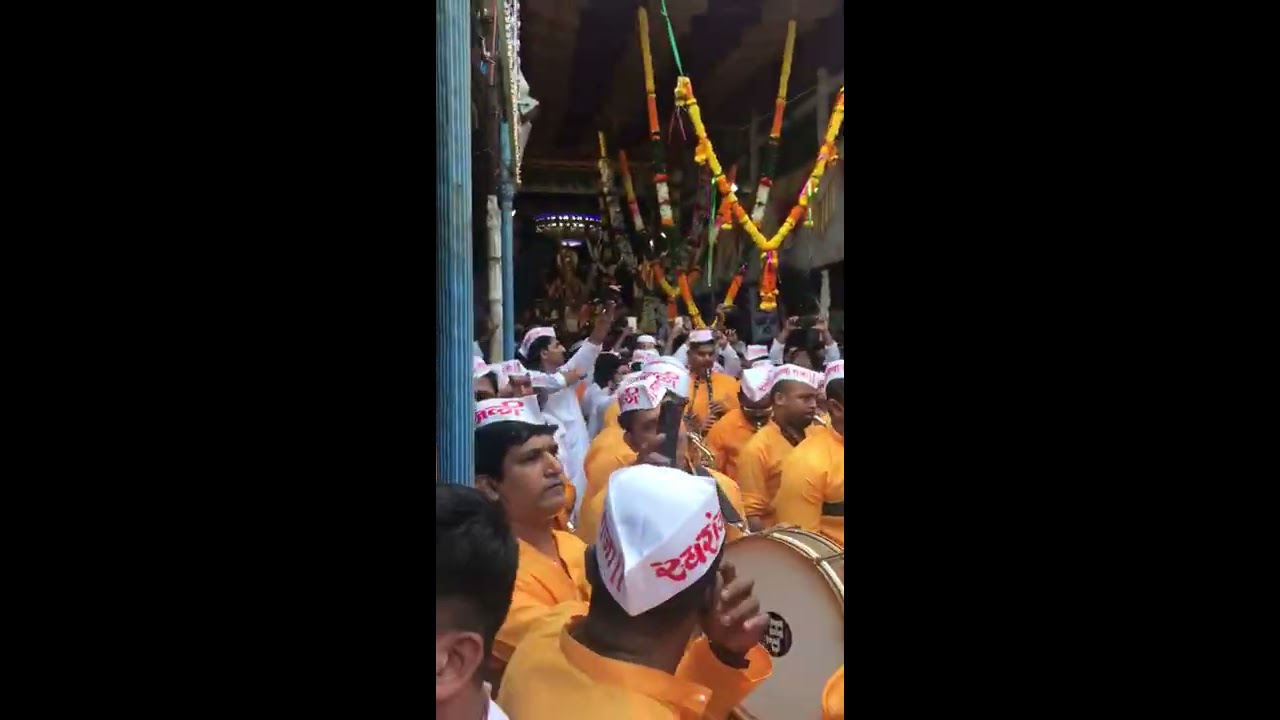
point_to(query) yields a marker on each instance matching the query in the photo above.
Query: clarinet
(708, 391)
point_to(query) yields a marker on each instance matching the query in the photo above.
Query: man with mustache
(794, 391)
(517, 465)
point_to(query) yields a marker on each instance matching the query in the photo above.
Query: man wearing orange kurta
(516, 464)
(728, 436)
(640, 399)
(705, 407)
(658, 574)
(520, 385)
(811, 494)
(795, 401)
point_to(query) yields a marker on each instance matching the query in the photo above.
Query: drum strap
(726, 507)
(833, 509)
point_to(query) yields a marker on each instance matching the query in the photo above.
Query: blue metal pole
(507, 192)
(455, 315)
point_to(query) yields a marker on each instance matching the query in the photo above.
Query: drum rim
(819, 561)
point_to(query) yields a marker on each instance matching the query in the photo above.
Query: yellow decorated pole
(655, 136)
(630, 190)
(761, 200)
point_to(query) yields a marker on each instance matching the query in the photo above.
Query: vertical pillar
(506, 194)
(455, 314)
(493, 238)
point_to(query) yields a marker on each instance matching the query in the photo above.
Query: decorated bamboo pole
(655, 136)
(685, 292)
(761, 200)
(606, 186)
(661, 279)
(731, 297)
(630, 190)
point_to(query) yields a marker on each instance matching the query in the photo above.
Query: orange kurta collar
(543, 568)
(639, 679)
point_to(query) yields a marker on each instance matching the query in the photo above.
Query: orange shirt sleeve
(728, 686)
(611, 414)
(752, 466)
(803, 485)
(717, 438)
(589, 518)
(529, 604)
(833, 697)
(598, 469)
(730, 392)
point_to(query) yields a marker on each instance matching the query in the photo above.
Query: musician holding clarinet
(714, 394)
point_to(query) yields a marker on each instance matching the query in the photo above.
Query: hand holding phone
(631, 322)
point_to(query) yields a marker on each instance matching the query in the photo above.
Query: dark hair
(808, 340)
(676, 608)
(533, 360)
(476, 560)
(781, 387)
(835, 390)
(680, 339)
(493, 378)
(606, 367)
(493, 442)
(630, 342)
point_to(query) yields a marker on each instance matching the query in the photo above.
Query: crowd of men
(572, 577)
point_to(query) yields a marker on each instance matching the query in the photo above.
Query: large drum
(799, 581)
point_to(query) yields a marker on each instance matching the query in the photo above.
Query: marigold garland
(705, 153)
(726, 210)
(655, 137)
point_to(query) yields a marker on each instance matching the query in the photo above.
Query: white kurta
(563, 405)
(494, 712)
(594, 400)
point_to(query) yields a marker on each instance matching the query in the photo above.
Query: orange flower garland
(705, 153)
(726, 210)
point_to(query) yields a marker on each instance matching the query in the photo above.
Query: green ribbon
(712, 228)
(671, 35)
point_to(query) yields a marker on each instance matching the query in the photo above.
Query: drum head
(806, 625)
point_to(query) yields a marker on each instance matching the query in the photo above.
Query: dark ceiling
(583, 64)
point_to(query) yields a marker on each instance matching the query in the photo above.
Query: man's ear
(488, 485)
(459, 656)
